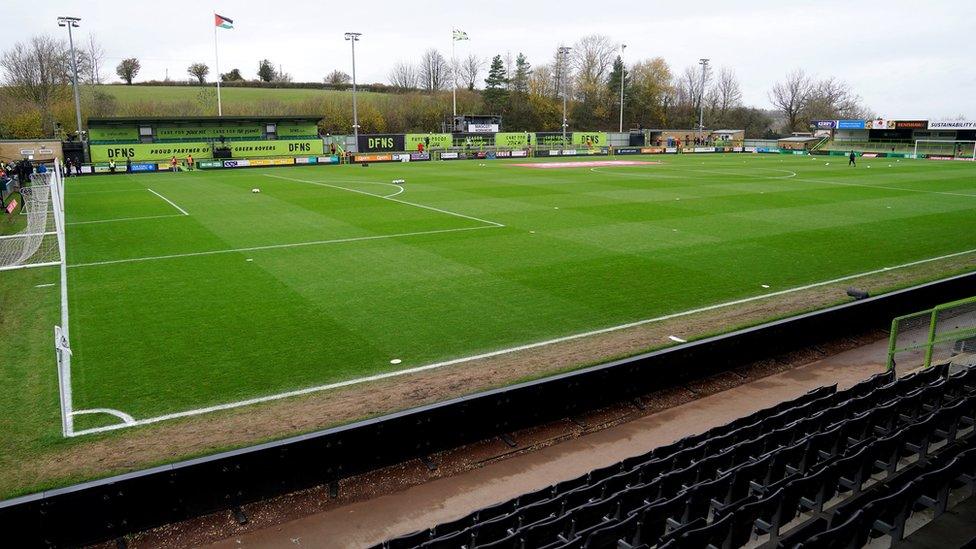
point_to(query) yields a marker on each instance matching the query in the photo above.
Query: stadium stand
(828, 469)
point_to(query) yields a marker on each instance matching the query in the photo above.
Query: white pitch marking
(129, 420)
(44, 285)
(123, 219)
(249, 259)
(397, 200)
(436, 365)
(765, 285)
(677, 339)
(395, 361)
(276, 246)
(171, 203)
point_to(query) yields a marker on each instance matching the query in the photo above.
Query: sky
(906, 59)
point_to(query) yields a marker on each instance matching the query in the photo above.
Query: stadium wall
(108, 509)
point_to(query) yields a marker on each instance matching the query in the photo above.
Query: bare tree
(791, 97)
(469, 70)
(198, 71)
(434, 73)
(830, 99)
(96, 56)
(725, 94)
(542, 82)
(128, 69)
(337, 78)
(403, 76)
(36, 71)
(592, 59)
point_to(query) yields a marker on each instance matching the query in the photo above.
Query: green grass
(580, 249)
(229, 96)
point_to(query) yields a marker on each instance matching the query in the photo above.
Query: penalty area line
(436, 365)
(168, 201)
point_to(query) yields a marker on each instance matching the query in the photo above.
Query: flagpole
(454, 74)
(217, 66)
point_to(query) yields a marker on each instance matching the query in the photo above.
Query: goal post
(39, 216)
(943, 333)
(956, 148)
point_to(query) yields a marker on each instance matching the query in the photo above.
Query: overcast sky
(907, 59)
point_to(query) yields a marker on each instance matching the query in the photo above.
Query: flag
(460, 35)
(223, 22)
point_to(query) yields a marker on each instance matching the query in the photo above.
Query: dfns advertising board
(382, 143)
(590, 139)
(164, 151)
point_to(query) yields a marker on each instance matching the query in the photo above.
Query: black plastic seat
(851, 534)
(888, 515)
(546, 533)
(608, 536)
(654, 518)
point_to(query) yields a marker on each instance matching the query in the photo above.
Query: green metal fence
(943, 333)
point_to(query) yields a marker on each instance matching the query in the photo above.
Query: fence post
(931, 341)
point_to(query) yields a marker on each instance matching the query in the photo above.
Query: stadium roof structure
(196, 119)
(799, 138)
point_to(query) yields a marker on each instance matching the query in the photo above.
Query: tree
(95, 57)
(495, 94)
(434, 73)
(337, 78)
(651, 92)
(403, 77)
(791, 96)
(520, 77)
(470, 69)
(724, 96)
(36, 71)
(128, 69)
(266, 71)
(233, 76)
(831, 99)
(613, 84)
(198, 71)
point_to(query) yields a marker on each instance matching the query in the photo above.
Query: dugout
(160, 138)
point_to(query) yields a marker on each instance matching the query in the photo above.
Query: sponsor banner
(751, 149)
(952, 125)
(870, 155)
(143, 167)
(589, 139)
(554, 152)
(429, 140)
(294, 129)
(236, 163)
(627, 150)
(113, 134)
(403, 157)
(373, 158)
(911, 124)
(419, 156)
(271, 162)
(850, 125)
(235, 131)
(305, 160)
(651, 150)
(163, 166)
(671, 150)
(519, 153)
(381, 143)
(165, 151)
(483, 128)
(552, 139)
(490, 155)
(737, 149)
(503, 154)
(823, 124)
(12, 206)
(450, 156)
(334, 159)
(26, 152)
(767, 150)
(102, 169)
(86, 169)
(569, 152)
(208, 164)
(704, 149)
(880, 124)
(514, 140)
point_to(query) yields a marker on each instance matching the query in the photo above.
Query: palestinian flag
(223, 22)
(460, 35)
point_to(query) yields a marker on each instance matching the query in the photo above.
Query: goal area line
(490, 354)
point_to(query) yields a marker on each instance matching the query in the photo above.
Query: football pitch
(189, 293)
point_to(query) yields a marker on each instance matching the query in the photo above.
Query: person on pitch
(851, 161)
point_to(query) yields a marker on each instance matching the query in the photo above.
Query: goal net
(946, 148)
(946, 333)
(31, 234)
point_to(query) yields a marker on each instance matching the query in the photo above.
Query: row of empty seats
(810, 472)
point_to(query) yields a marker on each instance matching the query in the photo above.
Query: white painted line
(170, 202)
(44, 285)
(436, 365)
(884, 188)
(29, 266)
(123, 219)
(677, 339)
(448, 212)
(22, 235)
(129, 420)
(276, 246)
